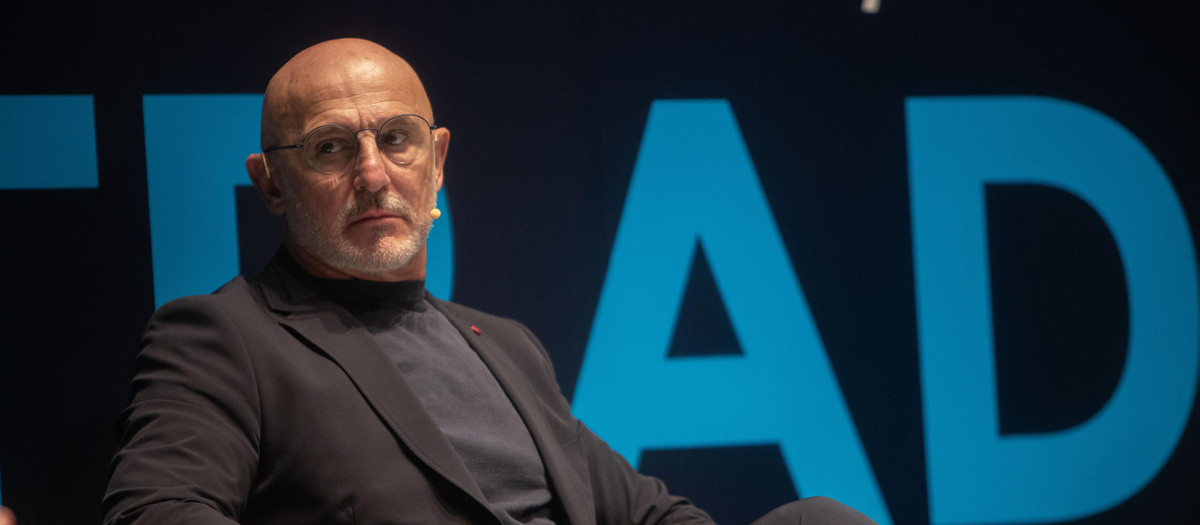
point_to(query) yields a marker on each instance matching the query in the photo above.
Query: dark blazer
(264, 403)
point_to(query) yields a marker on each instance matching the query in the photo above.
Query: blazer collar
(330, 329)
(563, 478)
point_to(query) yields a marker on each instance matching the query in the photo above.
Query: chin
(380, 250)
(382, 255)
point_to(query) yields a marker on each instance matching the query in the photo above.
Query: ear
(441, 144)
(268, 189)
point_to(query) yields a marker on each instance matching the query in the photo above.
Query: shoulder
(464, 312)
(234, 308)
(502, 328)
(235, 297)
(517, 340)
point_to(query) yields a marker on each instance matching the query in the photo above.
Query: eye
(332, 146)
(392, 138)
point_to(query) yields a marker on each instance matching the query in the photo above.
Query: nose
(369, 172)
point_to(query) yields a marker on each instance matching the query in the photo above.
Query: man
(333, 389)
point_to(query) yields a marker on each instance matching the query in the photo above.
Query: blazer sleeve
(621, 495)
(188, 443)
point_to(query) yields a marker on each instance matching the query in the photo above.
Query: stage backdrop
(934, 259)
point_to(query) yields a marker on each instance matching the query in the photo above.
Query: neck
(413, 271)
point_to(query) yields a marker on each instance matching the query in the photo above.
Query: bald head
(336, 70)
(368, 218)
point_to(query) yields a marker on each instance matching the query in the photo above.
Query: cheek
(415, 184)
(322, 200)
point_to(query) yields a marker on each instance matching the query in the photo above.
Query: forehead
(356, 93)
(355, 109)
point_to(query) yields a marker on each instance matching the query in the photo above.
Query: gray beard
(383, 254)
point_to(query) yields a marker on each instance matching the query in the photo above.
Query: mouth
(376, 216)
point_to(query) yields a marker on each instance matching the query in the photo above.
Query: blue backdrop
(934, 259)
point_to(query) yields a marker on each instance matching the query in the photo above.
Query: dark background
(547, 102)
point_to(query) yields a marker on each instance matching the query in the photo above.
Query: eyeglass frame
(357, 148)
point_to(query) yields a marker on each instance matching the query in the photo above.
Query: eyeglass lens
(402, 140)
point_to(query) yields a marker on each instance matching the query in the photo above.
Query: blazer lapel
(562, 475)
(330, 329)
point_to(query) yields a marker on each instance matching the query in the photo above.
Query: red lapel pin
(476, 330)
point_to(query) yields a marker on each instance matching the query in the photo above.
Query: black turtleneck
(456, 388)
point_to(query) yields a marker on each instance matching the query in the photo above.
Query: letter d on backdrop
(956, 146)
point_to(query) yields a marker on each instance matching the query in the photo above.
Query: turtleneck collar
(359, 295)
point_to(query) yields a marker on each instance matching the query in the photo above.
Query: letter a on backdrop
(694, 182)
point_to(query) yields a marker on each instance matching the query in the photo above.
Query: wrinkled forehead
(351, 94)
(340, 84)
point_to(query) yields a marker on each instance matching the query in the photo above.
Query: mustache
(383, 200)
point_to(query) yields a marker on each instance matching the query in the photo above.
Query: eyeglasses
(332, 147)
